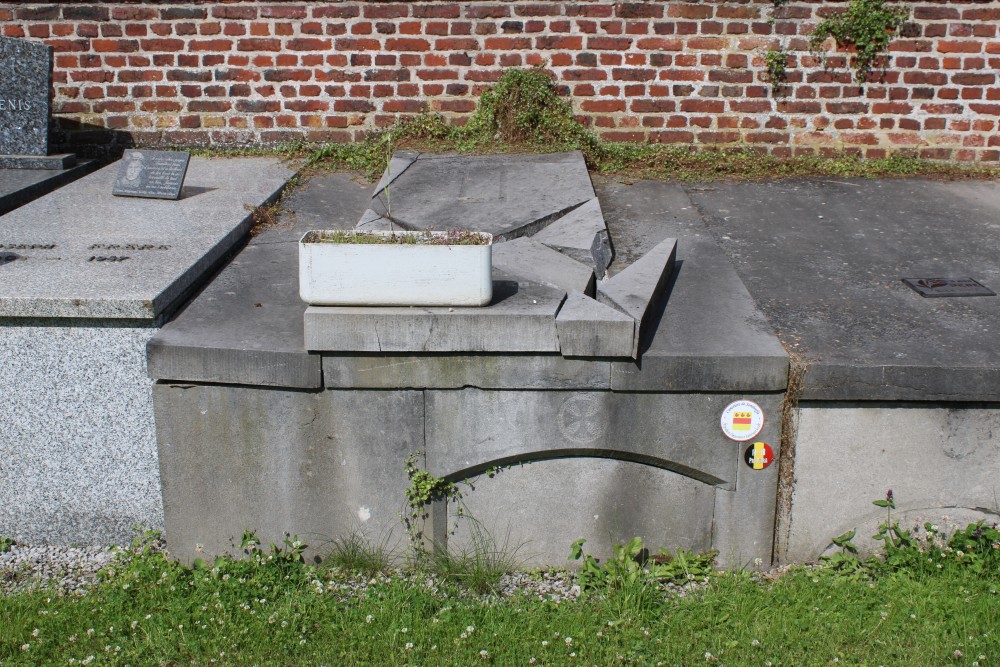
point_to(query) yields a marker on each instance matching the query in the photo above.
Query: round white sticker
(742, 420)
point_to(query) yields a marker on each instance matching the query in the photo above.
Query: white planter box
(394, 274)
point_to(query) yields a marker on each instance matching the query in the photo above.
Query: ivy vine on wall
(866, 25)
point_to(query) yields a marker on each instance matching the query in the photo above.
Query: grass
(356, 553)
(524, 112)
(478, 566)
(449, 237)
(270, 608)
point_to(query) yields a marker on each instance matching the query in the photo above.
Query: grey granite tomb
(87, 280)
(27, 170)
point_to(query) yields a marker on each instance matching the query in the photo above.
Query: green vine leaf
(868, 26)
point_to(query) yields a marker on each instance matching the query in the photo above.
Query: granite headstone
(152, 174)
(24, 97)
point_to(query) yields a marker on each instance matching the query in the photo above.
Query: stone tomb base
(602, 465)
(77, 449)
(86, 280)
(592, 431)
(940, 460)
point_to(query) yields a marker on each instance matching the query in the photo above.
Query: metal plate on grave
(152, 174)
(942, 287)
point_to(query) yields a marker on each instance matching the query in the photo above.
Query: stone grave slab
(588, 328)
(577, 233)
(81, 252)
(536, 262)
(514, 198)
(635, 290)
(521, 318)
(505, 195)
(20, 186)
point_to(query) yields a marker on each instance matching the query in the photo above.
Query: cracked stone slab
(373, 222)
(581, 234)
(636, 289)
(525, 258)
(520, 319)
(505, 195)
(398, 163)
(588, 328)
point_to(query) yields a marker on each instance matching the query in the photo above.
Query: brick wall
(693, 73)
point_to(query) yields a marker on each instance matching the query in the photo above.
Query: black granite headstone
(155, 174)
(26, 77)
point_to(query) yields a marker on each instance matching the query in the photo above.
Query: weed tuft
(524, 108)
(478, 566)
(356, 552)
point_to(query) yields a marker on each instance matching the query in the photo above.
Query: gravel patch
(67, 569)
(72, 570)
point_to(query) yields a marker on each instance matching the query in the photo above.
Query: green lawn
(271, 609)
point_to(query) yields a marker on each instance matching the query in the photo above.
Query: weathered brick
(553, 42)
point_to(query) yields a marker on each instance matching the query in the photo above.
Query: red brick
(609, 43)
(258, 44)
(436, 74)
(456, 44)
(209, 45)
(507, 43)
(283, 12)
(718, 137)
(308, 44)
(935, 13)
(182, 13)
(632, 74)
(554, 42)
(137, 75)
(443, 11)
(986, 109)
(639, 10)
(684, 11)
(115, 45)
(653, 106)
(231, 12)
(703, 106)
(133, 14)
(660, 44)
(407, 44)
(592, 74)
(969, 46)
(37, 14)
(969, 79)
(486, 11)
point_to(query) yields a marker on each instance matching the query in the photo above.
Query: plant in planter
(396, 268)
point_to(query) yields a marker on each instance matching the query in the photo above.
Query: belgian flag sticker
(758, 455)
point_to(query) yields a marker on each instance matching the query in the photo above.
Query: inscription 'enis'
(15, 105)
